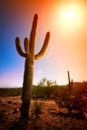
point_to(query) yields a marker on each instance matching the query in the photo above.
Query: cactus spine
(29, 46)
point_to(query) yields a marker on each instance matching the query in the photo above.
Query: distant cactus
(29, 46)
(70, 82)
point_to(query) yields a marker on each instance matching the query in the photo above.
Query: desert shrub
(46, 83)
(44, 89)
(38, 92)
(78, 102)
(43, 92)
(63, 99)
(81, 87)
(38, 106)
(49, 92)
(10, 92)
(71, 101)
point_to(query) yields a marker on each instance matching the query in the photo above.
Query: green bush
(44, 89)
(39, 92)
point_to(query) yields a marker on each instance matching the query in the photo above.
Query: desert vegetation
(52, 107)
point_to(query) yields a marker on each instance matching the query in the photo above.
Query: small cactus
(29, 46)
(70, 84)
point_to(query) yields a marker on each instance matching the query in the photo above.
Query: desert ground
(50, 118)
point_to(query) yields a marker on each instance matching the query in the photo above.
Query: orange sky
(67, 22)
(68, 44)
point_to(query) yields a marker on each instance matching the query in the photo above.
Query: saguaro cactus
(29, 46)
(70, 82)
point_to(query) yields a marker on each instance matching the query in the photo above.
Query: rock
(16, 110)
(85, 115)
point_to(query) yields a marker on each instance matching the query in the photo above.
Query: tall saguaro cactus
(29, 46)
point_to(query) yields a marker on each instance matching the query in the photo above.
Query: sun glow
(69, 16)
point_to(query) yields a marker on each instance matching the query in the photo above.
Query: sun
(69, 16)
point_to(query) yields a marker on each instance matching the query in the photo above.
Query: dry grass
(49, 119)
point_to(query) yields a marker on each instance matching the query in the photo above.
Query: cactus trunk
(29, 65)
(28, 80)
(26, 90)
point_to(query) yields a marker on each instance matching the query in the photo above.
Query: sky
(66, 20)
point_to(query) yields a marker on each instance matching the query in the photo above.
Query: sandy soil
(51, 117)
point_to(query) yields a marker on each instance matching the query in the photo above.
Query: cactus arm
(26, 45)
(33, 34)
(68, 77)
(44, 47)
(18, 47)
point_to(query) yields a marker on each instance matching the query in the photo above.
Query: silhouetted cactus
(70, 82)
(29, 46)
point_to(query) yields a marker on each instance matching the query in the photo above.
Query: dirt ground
(51, 117)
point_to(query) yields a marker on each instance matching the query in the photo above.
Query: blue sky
(67, 49)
